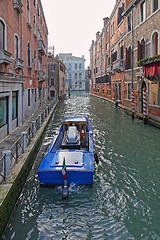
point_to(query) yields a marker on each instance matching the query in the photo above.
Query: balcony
(17, 6)
(41, 76)
(5, 57)
(18, 63)
(118, 66)
(41, 47)
(110, 69)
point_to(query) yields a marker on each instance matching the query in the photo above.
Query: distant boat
(70, 156)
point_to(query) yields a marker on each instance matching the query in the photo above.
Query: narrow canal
(124, 200)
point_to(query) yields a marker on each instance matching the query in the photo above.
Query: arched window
(80, 76)
(29, 54)
(52, 81)
(75, 65)
(52, 67)
(69, 66)
(2, 35)
(28, 12)
(34, 24)
(16, 45)
(155, 44)
(80, 66)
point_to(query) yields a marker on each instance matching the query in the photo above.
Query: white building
(75, 71)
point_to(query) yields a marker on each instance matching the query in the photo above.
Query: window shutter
(126, 58)
(139, 51)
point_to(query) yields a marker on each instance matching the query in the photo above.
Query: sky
(72, 24)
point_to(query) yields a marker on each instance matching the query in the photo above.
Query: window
(155, 44)
(112, 29)
(69, 75)
(2, 35)
(69, 66)
(29, 98)
(120, 11)
(16, 43)
(155, 5)
(29, 55)
(141, 50)
(28, 12)
(80, 76)
(80, 66)
(35, 3)
(34, 24)
(14, 105)
(75, 65)
(52, 81)
(113, 56)
(129, 21)
(3, 111)
(107, 36)
(35, 60)
(129, 91)
(52, 94)
(38, 12)
(75, 76)
(35, 95)
(142, 11)
(41, 20)
(128, 58)
(52, 67)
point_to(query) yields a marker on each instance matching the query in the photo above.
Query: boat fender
(65, 189)
(96, 158)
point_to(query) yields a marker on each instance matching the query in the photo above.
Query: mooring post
(33, 128)
(39, 120)
(6, 164)
(132, 103)
(24, 141)
(46, 111)
(144, 106)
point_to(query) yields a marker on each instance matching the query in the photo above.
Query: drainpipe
(22, 69)
(132, 68)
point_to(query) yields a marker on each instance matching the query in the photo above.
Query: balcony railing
(18, 63)
(41, 76)
(5, 57)
(18, 5)
(41, 47)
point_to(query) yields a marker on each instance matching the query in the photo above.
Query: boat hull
(56, 178)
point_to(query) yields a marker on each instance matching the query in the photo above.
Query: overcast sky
(72, 24)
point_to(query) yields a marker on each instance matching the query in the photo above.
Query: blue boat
(70, 156)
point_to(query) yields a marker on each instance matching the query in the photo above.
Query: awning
(152, 69)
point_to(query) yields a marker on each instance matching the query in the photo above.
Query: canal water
(124, 200)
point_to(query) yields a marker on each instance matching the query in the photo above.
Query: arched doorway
(143, 86)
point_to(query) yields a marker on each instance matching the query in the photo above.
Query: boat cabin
(75, 135)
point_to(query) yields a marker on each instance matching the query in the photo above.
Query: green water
(124, 200)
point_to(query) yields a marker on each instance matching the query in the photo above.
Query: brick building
(56, 77)
(128, 36)
(23, 61)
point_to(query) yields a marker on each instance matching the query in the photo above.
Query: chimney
(97, 35)
(105, 21)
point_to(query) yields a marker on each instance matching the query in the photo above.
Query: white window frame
(15, 35)
(5, 34)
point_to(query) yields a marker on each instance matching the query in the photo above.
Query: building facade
(56, 77)
(75, 71)
(119, 57)
(23, 61)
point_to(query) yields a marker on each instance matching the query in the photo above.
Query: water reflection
(122, 203)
